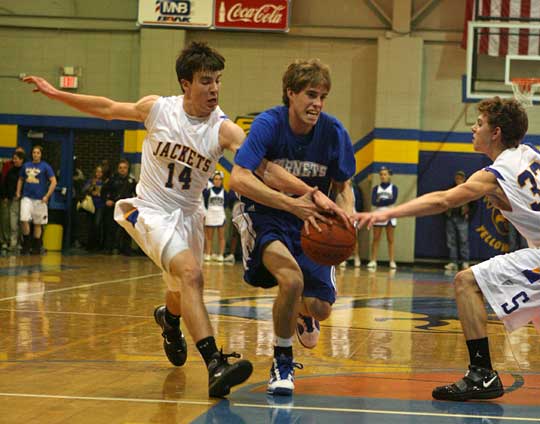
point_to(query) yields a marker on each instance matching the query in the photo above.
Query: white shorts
(162, 235)
(511, 285)
(34, 210)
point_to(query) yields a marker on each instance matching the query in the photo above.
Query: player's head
(385, 174)
(198, 69)
(37, 152)
(18, 158)
(123, 167)
(306, 84)
(217, 179)
(500, 119)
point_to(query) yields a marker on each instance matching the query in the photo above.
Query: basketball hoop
(524, 89)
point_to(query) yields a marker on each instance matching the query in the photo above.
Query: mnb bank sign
(250, 15)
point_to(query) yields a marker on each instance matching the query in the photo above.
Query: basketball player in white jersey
(186, 137)
(511, 282)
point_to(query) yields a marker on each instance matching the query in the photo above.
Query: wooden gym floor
(78, 344)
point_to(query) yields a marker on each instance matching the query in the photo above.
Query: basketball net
(524, 89)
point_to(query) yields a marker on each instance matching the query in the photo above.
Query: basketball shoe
(308, 330)
(478, 383)
(174, 343)
(222, 375)
(282, 375)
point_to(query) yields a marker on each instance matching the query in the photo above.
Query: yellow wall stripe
(396, 151)
(8, 135)
(133, 140)
(437, 146)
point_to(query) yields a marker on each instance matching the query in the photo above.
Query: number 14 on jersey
(184, 177)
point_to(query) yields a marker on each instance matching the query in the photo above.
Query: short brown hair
(305, 73)
(196, 57)
(509, 116)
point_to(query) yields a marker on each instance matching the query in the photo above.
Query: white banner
(176, 13)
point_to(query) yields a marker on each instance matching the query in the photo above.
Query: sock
(207, 347)
(172, 320)
(27, 241)
(479, 353)
(283, 346)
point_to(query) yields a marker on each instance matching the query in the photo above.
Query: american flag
(504, 41)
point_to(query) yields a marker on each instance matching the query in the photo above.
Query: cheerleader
(382, 197)
(215, 199)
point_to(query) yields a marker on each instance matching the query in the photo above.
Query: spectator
(383, 196)
(215, 202)
(93, 188)
(79, 218)
(32, 183)
(9, 198)
(457, 230)
(5, 231)
(120, 186)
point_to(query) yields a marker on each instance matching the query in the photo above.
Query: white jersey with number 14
(179, 155)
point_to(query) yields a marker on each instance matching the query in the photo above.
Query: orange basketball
(331, 246)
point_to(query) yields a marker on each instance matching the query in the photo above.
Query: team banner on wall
(256, 15)
(176, 13)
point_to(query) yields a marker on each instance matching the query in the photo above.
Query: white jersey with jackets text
(179, 155)
(518, 173)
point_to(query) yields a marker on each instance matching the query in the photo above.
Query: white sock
(283, 342)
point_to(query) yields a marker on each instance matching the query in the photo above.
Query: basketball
(331, 246)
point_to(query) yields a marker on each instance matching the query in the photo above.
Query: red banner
(257, 15)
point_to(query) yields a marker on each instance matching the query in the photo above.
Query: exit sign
(67, 81)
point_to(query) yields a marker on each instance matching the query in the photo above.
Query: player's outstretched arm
(99, 106)
(481, 183)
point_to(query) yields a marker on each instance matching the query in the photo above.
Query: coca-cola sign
(266, 15)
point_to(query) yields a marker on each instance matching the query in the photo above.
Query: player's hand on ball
(328, 206)
(306, 209)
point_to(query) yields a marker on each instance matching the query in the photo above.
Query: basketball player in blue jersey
(316, 148)
(186, 136)
(510, 283)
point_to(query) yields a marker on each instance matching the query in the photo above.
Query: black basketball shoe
(174, 343)
(222, 375)
(478, 383)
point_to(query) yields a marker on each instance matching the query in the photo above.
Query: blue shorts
(319, 280)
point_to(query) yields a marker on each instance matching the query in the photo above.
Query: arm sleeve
(394, 194)
(154, 112)
(206, 195)
(50, 172)
(258, 142)
(358, 199)
(345, 164)
(374, 196)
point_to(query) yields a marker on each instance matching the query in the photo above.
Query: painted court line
(113, 399)
(378, 411)
(100, 283)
